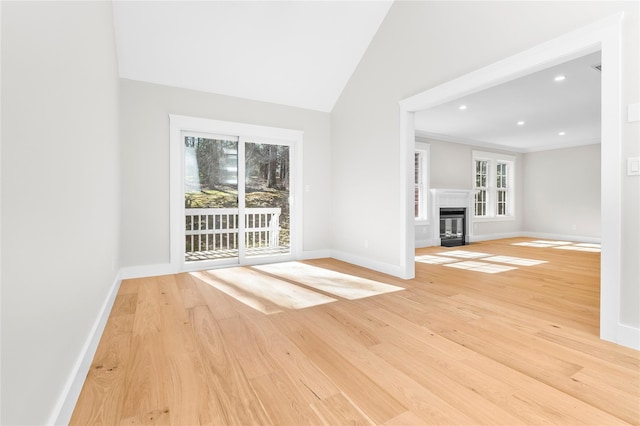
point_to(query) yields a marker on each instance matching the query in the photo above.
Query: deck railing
(210, 230)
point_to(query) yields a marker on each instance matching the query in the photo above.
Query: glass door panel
(267, 197)
(211, 198)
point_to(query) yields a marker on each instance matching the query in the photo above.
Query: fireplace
(453, 226)
(451, 220)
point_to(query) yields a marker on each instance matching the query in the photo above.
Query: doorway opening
(604, 36)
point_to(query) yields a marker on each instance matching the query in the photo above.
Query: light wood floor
(455, 347)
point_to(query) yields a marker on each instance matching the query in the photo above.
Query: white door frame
(179, 124)
(604, 35)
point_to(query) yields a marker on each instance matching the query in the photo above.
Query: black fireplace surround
(453, 224)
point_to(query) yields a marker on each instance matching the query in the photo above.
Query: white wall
(419, 46)
(450, 165)
(452, 168)
(60, 194)
(558, 191)
(630, 292)
(144, 118)
(562, 192)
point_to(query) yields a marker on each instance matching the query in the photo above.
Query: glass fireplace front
(452, 227)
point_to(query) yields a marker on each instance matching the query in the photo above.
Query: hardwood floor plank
(144, 391)
(186, 389)
(220, 305)
(542, 383)
(358, 329)
(430, 408)
(374, 400)
(190, 294)
(124, 304)
(282, 400)
(406, 419)
(454, 392)
(148, 317)
(130, 286)
(185, 376)
(311, 381)
(236, 402)
(252, 355)
(106, 378)
(338, 410)
(605, 396)
(583, 343)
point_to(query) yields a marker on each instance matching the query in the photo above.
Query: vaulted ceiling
(302, 54)
(298, 53)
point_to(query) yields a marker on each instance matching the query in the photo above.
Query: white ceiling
(546, 106)
(298, 53)
(302, 53)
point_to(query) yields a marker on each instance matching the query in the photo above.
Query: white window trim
(493, 158)
(179, 124)
(425, 202)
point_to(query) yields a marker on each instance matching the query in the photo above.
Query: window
(493, 184)
(421, 181)
(481, 187)
(502, 188)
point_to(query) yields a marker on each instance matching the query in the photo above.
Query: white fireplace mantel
(462, 198)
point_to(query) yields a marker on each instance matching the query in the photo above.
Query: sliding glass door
(211, 197)
(236, 199)
(267, 199)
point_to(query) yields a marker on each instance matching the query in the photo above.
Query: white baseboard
(315, 254)
(424, 243)
(63, 410)
(129, 272)
(561, 237)
(385, 268)
(489, 237)
(539, 235)
(628, 336)
(470, 239)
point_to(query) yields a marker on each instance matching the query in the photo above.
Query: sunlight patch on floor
(328, 281)
(488, 268)
(434, 260)
(464, 254)
(563, 245)
(514, 260)
(532, 244)
(262, 292)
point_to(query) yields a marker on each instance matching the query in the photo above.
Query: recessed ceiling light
(560, 78)
(561, 133)
(462, 107)
(520, 123)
